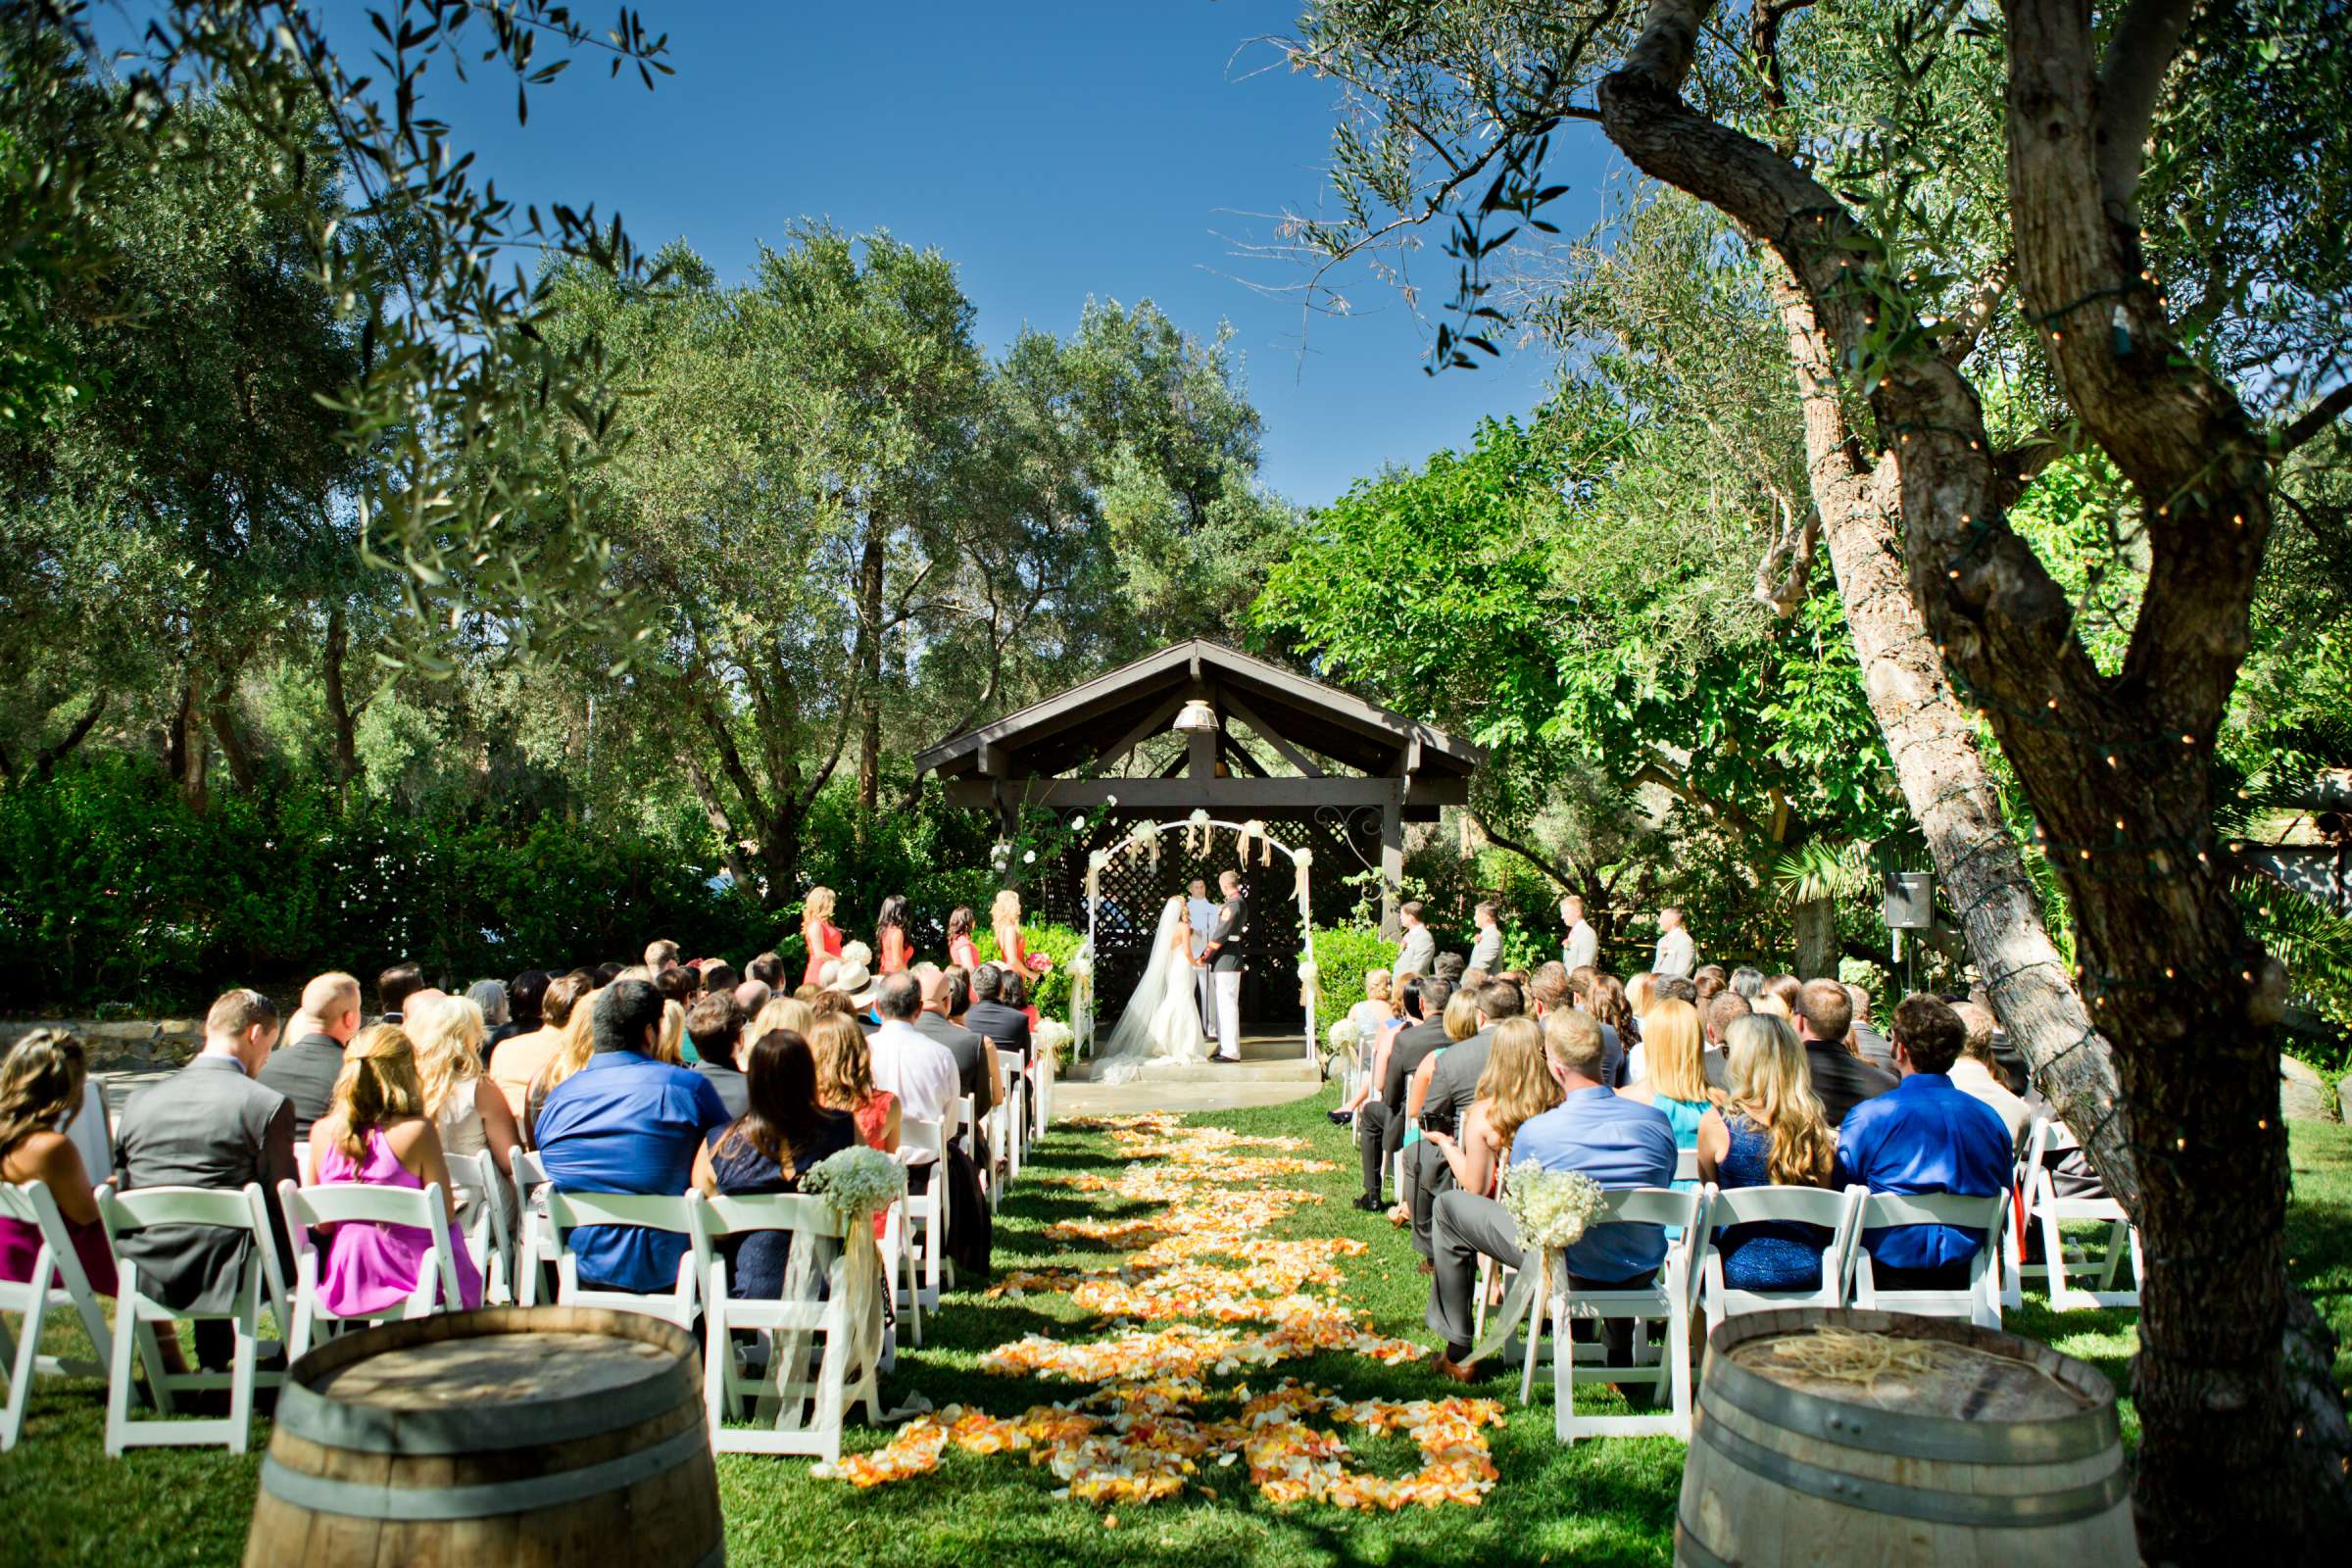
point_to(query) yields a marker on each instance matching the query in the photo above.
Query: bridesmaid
(890, 935)
(963, 951)
(1004, 915)
(819, 932)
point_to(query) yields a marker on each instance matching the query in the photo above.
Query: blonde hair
(1639, 992)
(818, 905)
(40, 1085)
(844, 1063)
(446, 1041)
(1671, 1042)
(1461, 1015)
(666, 1046)
(1764, 1005)
(1006, 910)
(1773, 1086)
(1517, 1082)
(379, 1083)
(783, 1013)
(579, 1044)
(1376, 985)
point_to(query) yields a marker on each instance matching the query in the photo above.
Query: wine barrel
(1970, 1447)
(526, 1437)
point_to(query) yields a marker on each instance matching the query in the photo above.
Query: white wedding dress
(1163, 1020)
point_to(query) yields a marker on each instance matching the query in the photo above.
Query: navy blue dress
(1767, 1254)
(755, 1260)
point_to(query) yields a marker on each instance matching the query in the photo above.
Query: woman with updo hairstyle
(378, 1132)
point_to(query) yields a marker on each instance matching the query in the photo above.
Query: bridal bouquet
(856, 1181)
(1550, 1208)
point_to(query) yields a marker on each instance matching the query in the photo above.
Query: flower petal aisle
(1206, 1294)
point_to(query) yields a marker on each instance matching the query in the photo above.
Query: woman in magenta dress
(891, 949)
(819, 932)
(963, 951)
(40, 1091)
(376, 1132)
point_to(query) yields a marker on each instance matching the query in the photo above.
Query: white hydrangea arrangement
(1341, 1040)
(1052, 1038)
(1550, 1208)
(856, 1181)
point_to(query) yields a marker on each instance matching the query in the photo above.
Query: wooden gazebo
(1345, 778)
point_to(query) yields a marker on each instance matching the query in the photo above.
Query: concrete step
(1263, 1062)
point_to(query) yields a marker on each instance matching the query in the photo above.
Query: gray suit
(207, 1125)
(974, 1062)
(305, 1072)
(1583, 947)
(1452, 1087)
(1487, 952)
(1417, 952)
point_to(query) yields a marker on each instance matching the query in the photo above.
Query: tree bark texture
(869, 673)
(2239, 1453)
(338, 702)
(1816, 923)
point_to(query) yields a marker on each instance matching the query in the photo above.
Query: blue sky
(1053, 150)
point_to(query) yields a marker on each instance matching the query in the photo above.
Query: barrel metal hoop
(483, 1429)
(1690, 1552)
(2082, 1436)
(1920, 1503)
(367, 1499)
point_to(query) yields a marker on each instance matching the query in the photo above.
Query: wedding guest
(818, 931)
(659, 955)
(379, 1134)
(768, 969)
(1418, 947)
(681, 983)
(781, 1013)
(669, 1043)
(1677, 954)
(845, 1081)
(1870, 1044)
(976, 1071)
(1706, 985)
(1769, 1132)
(751, 997)
(393, 989)
(1600, 994)
(522, 1008)
(40, 1095)
(626, 1123)
(1727, 1009)
(210, 1124)
(604, 974)
(1790, 990)
(890, 936)
(1453, 1075)
(1003, 1025)
(716, 1026)
(305, 1071)
(520, 1058)
(1486, 949)
(1924, 1136)
(1977, 1074)
(1386, 1119)
(1842, 1080)
(916, 1068)
(1448, 967)
(1675, 1078)
(490, 996)
(1619, 1143)
(770, 1148)
(1748, 982)
(1582, 949)
(1640, 992)
(963, 950)
(470, 1112)
(1517, 1083)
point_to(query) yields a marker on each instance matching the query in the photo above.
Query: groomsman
(1582, 950)
(1419, 949)
(1223, 958)
(1485, 952)
(1202, 915)
(1677, 954)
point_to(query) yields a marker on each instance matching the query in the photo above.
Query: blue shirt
(1926, 1135)
(1619, 1143)
(626, 1123)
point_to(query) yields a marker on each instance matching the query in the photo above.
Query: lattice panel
(1132, 891)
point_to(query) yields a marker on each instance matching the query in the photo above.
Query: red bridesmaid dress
(828, 946)
(892, 957)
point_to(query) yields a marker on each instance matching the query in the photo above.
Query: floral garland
(1550, 1208)
(1141, 1436)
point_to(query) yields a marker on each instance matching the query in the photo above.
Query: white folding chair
(2040, 1206)
(136, 1316)
(1041, 1078)
(1685, 1165)
(1667, 1297)
(1835, 1213)
(567, 1211)
(361, 1204)
(529, 1238)
(1980, 1299)
(490, 1236)
(969, 1123)
(1015, 1115)
(917, 1228)
(798, 1412)
(57, 1281)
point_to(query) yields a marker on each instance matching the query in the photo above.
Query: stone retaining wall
(119, 1044)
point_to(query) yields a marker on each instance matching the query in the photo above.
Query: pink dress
(963, 954)
(371, 1268)
(825, 945)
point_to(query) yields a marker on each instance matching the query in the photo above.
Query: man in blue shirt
(1619, 1143)
(1926, 1135)
(627, 1123)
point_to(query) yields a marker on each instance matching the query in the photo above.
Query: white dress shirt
(1677, 954)
(921, 1072)
(1584, 947)
(1973, 1078)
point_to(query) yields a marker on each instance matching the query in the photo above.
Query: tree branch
(2319, 416)
(2139, 52)
(1970, 328)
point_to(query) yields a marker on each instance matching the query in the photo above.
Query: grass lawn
(1606, 1501)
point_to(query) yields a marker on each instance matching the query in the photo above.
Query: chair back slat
(566, 1210)
(1649, 1206)
(143, 1207)
(771, 1211)
(361, 1202)
(921, 1135)
(1881, 1210)
(1803, 1206)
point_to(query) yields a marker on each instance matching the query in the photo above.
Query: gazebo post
(1392, 858)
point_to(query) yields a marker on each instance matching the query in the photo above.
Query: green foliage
(1049, 993)
(1343, 955)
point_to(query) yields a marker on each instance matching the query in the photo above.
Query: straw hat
(854, 981)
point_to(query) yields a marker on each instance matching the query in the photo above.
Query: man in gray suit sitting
(1452, 1087)
(306, 1069)
(210, 1124)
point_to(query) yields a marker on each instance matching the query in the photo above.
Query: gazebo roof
(1094, 724)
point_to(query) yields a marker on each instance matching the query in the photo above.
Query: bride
(1162, 1021)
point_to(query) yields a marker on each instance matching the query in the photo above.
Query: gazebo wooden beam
(1254, 795)
(1289, 754)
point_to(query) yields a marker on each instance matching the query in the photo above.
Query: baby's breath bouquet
(1340, 1045)
(1550, 1208)
(856, 1181)
(1051, 1037)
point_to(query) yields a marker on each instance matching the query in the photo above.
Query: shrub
(1049, 993)
(1344, 952)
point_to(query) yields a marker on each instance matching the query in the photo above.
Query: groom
(1222, 955)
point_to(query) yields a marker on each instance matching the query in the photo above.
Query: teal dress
(1685, 1115)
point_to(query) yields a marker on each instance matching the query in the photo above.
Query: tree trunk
(338, 705)
(869, 675)
(223, 713)
(1933, 740)
(190, 750)
(715, 812)
(1816, 921)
